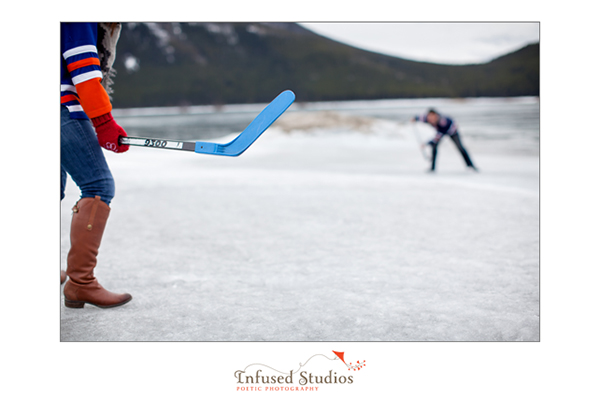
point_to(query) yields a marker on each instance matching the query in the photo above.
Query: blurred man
(444, 126)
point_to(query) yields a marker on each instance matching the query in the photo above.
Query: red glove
(108, 133)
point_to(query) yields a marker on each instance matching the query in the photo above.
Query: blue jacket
(445, 126)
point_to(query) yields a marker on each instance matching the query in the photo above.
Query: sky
(445, 43)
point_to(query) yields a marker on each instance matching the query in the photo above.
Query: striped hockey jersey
(81, 89)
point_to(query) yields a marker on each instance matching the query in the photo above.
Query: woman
(87, 55)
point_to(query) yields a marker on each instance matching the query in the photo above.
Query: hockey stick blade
(234, 148)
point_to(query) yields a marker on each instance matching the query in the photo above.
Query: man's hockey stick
(420, 142)
(234, 148)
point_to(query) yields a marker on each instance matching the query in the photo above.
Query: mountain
(177, 64)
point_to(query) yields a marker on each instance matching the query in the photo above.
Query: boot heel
(74, 303)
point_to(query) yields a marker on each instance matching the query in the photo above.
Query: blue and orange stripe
(87, 93)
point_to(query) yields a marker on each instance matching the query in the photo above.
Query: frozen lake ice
(326, 229)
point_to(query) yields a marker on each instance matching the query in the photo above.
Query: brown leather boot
(63, 276)
(87, 227)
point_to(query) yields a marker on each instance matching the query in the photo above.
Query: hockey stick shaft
(418, 137)
(234, 148)
(158, 143)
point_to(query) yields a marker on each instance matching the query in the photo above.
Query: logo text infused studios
(263, 378)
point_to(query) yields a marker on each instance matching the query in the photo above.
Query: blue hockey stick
(234, 148)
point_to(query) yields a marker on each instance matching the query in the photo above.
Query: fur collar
(108, 36)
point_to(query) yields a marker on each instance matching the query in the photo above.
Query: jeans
(456, 139)
(81, 157)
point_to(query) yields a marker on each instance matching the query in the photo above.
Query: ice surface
(318, 233)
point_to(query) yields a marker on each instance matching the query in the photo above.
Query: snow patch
(255, 29)
(324, 122)
(163, 40)
(225, 30)
(177, 31)
(132, 64)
